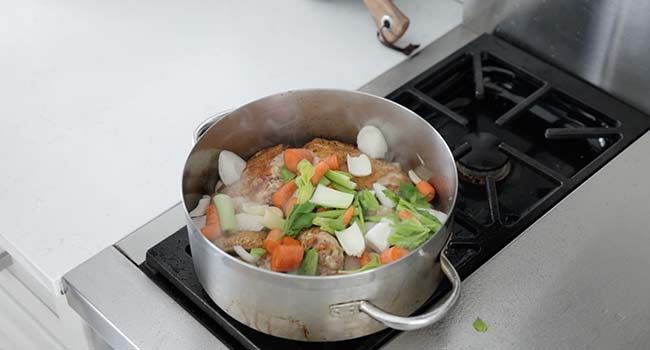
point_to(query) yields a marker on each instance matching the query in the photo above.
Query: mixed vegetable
(322, 215)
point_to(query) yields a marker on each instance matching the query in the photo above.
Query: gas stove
(524, 135)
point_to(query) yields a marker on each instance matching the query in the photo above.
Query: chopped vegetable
(423, 216)
(364, 259)
(328, 224)
(479, 325)
(309, 265)
(409, 234)
(351, 240)
(289, 205)
(211, 216)
(231, 166)
(414, 177)
(341, 178)
(319, 171)
(426, 189)
(405, 214)
(273, 218)
(347, 216)
(304, 181)
(211, 231)
(286, 257)
(391, 254)
(367, 200)
(272, 240)
(411, 194)
(382, 194)
(249, 222)
(258, 252)
(226, 209)
(359, 166)
(254, 208)
(371, 141)
(246, 256)
(341, 188)
(333, 162)
(374, 263)
(301, 217)
(293, 156)
(331, 214)
(442, 217)
(283, 194)
(330, 198)
(286, 174)
(324, 181)
(377, 236)
(201, 207)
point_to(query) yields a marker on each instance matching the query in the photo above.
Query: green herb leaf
(331, 214)
(258, 252)
(479, 325)
(373, 263)
(309, 264)
(409, 234)
(303, 181)
(329, 225)
(411, 194)
(428, 220)
(286, 174)
(301, 217)
(367, 200)
(340, 178)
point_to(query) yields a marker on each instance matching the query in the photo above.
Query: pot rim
(257, 269)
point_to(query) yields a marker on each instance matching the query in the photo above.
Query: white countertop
(99, 99)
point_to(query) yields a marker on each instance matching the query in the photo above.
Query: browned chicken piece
(261, 177)
(330, 253)
(247, 239)
(387, 174)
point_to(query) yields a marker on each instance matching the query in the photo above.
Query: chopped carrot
(333, 162)
(347, 216)
(293, 156)
(364, 259)
(211, 231)
(286, 257)
(391, 254)
(283, 194)
(405, 214)
(319, 171)
(211, 216)
(290, 203)
(426, 189)
(321, 209)
(286, 240)
(272, 240)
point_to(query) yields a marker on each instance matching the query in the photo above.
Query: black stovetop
(524, 134)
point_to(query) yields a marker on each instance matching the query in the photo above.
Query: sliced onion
(371, 141)
(249, 222)
(442, 217)
(377, 236)
(201, 207)
(414, 177)
(273, 218)
(359, 166)
(351, 240)
(254, 208)
(230, 167)
(246, 256)
(379, 193)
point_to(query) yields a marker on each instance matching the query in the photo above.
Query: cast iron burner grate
(524, 134)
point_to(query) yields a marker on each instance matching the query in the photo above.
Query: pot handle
(206, 124)
(407, 323)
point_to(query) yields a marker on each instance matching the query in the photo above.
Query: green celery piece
(479, 325)
(286, 174)
(424, 217)
(324, 181)
(411, 194)
(300, 217)
(342, 188)
(367, 200)
(329, 225)
(258, 252)
(340, 178)
(309, 264)
(226, 211)
(391, 195)
(409, 234)
(303, 181)
(331, 214)
(373, 218)
(373, 263)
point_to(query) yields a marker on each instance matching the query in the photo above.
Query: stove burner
(483, 160)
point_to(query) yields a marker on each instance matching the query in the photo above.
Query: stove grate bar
(578, 133)
(461, 150)
(440, 107)
(477, 66)
(517, 110)
(533, 163)
(493, 199)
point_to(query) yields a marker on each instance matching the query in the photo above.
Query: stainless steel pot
(323, 308)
